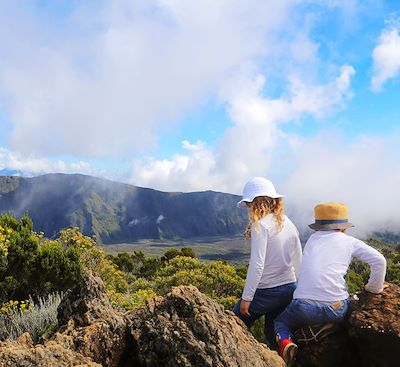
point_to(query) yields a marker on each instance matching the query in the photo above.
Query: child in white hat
(274, 260)
(321, 295)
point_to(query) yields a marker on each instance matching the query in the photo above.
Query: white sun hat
(257, 186)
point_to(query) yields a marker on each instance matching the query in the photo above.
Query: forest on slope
(116, 212)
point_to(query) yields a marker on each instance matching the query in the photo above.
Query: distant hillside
(117, 212)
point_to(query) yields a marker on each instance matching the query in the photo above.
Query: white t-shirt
(326, 258)
(275, 256)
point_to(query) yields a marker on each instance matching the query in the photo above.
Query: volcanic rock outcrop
(370, 337)
(188, 329)
(90, 325)
(374, 325)
(184, 329)
(22, 353)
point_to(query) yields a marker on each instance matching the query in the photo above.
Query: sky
(200, 95)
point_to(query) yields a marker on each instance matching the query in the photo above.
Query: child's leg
(303, 312)
(300, 313)
(287, 322)
(269, 330)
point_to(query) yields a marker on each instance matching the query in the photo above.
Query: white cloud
(386, 57)
(363, 174)
(106, 79)
(249, 146)
(34, 166)
(320, 99)
(190, 172)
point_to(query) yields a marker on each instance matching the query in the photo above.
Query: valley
(235, 250)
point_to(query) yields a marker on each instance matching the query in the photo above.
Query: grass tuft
(39, 319)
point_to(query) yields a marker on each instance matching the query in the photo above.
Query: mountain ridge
(118, 212)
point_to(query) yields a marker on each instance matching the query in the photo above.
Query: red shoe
(288, 351)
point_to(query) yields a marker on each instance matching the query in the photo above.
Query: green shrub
(215, 279)
(55, 268)
(19, 247)
(93, 258)
(257, 330)
(123, 261)
(140, 284)
(393, 273)
(355, 282)
(31, 266)
(149, 267)
(129, 301)
(173, 252)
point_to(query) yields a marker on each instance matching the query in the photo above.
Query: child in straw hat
(274, 260)
(321, 295)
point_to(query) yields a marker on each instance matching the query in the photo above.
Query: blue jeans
(302, 312)
(269, 302)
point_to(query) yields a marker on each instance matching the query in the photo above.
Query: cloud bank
(362, 173)
(326, 167)
(386, 57)
(31, 166)
(106, 79)
(251, 145)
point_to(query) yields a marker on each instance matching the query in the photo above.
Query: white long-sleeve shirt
(275, 256)
(326, 258)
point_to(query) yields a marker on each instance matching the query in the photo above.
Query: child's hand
(370, 289)
(244, 307)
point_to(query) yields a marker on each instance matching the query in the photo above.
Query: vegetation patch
(35, 317)
(35, 271)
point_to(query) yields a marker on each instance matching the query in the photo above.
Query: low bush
(38, 318)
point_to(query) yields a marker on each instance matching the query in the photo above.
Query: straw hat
(257, 186)
(330, 216)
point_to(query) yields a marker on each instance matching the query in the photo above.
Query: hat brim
(328, 227)
(242, 203)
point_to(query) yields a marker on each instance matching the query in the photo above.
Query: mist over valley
(118, 213)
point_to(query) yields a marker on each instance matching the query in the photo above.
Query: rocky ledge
(370, 337)
(188, 329)
(183, 329)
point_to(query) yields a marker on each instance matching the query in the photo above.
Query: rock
(91, 326)
(92, 331)
(104, 341)
(86, 303)
(370, 337)
(187, 328)
(22, 353)
(374, 325)
(335, 350)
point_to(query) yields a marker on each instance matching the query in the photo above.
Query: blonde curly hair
(262, 206)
